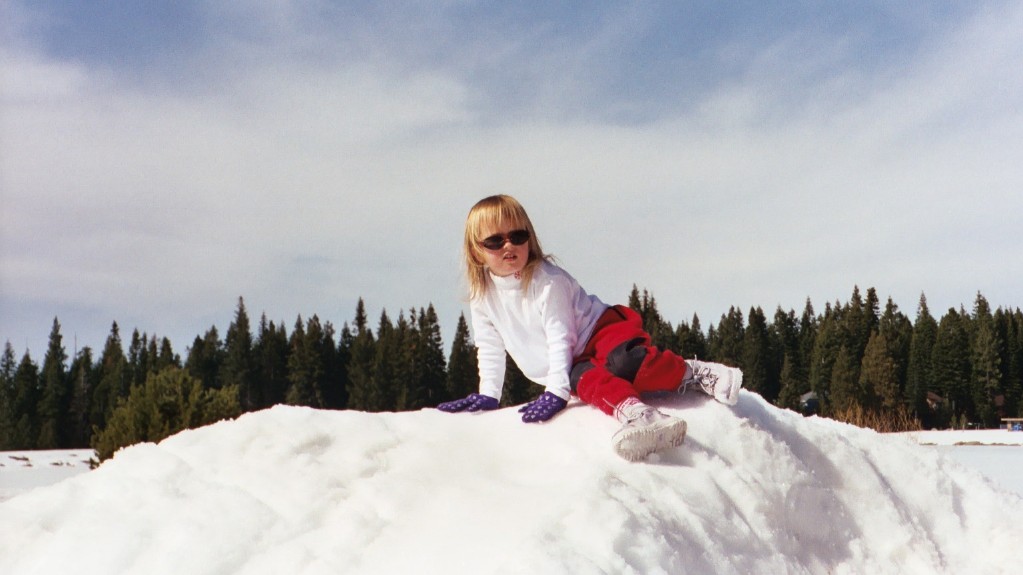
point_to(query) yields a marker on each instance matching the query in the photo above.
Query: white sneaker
(716, 380)
(646, 430)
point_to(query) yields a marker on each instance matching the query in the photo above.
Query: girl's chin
(507, 270)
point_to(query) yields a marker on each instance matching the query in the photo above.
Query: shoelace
(703, 377)
(706, 379)
(629, 415)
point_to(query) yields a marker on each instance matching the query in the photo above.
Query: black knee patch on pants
(577, 373)
(625, 360)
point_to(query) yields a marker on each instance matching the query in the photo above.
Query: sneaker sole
(635, 444)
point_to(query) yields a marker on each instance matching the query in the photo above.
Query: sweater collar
(511, 282)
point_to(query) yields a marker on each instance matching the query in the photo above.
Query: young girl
(567, 340)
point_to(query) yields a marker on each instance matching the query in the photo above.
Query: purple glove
(543, 408)
(474, 402)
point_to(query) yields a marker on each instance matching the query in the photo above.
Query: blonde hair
(491, 214)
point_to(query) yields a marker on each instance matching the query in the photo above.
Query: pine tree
(360, 366)
(1014, 364)
(756, 357)
(985, 361)
(825, 353)
(879, 383)
(726, 345)
(8, 369)
(55, 405)
(808, 327)
(82, 377)
(238, 367)
(434, 366)
(792, 386)
(406, 359)
(168, 401)
(166, 356)
(845, 389)
(332, 384)
(873, 311)
(858, 319)
(463, 371)
(387, 370)
(271, 363)
(345, 343)
(919, 378)
(205, 359)
(898, 334)
(950, 364)
(692, 343)
(25, 407)
(112, 380)
(793, 381)
(409, 382)
(138, 359)
(304, 366)
(635, 302)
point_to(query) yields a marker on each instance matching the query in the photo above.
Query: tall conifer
(360, 365)
(756, 357)
(950, 364)
(82, 377)
(727, 343)
(238, 367)
(879, 385)
(8, 367)
(462, 372)
(919, 378)
(271, 362)
(434, 366)
(112, 379)
(27, 393)
(55, 405)
(825, 352)
(304, 366)
(985, 363)
(692, 343)
(898, 334)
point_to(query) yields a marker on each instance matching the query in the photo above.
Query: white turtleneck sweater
(543, 326)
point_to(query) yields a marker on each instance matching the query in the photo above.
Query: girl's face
(508, 259)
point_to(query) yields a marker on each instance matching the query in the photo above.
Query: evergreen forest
(854, 361)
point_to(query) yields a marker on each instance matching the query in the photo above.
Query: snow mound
(293, 490)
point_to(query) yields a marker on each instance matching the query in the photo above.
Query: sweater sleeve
(490, 352)
(559, 319)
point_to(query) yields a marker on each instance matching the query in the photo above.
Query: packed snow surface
(293, 490)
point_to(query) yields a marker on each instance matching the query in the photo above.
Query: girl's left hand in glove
(542, 408)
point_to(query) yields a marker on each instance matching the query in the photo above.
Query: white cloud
(302, 182)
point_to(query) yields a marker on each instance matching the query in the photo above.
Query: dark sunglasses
(496, 242)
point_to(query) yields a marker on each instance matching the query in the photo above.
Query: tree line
(850, 360)
(856, 362)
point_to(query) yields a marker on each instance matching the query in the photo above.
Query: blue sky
(160, 159)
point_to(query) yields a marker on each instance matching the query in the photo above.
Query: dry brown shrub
(883, 421)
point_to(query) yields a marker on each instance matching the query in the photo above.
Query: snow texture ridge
(755, 489)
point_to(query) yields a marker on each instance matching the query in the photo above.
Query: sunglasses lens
(518, 237)
(493, 242)
(496, 242)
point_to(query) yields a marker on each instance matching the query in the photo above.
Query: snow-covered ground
(21, 471)
(292, 490)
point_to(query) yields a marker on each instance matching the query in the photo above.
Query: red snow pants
(620, 362)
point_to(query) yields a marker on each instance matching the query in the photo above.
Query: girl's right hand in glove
(474, 402)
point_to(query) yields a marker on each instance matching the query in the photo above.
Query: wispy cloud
(305, 154)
